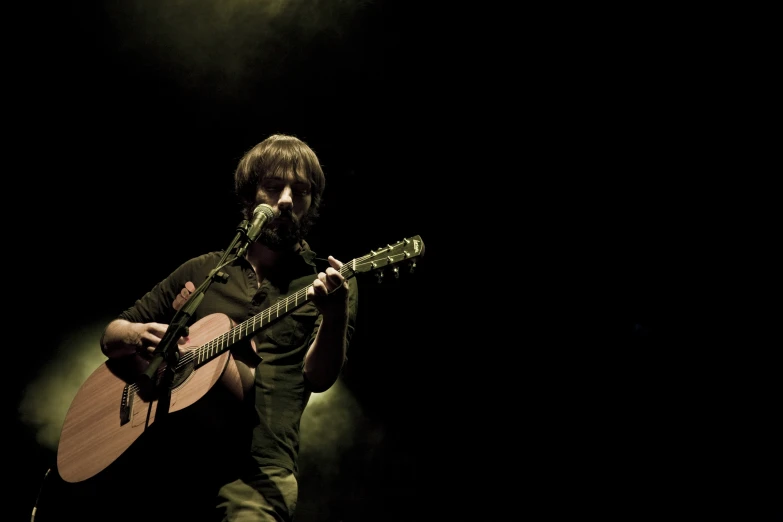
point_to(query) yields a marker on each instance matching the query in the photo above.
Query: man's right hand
(122, 338)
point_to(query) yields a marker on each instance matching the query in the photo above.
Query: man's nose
(286, 199)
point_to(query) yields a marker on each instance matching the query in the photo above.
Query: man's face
(290, 197)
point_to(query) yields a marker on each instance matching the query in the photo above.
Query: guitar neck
(406, 250)
(248, 328)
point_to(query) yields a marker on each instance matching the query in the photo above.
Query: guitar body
(110, 412)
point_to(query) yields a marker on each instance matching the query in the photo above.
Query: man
(236, 449)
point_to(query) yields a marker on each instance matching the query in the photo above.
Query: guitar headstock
(405, 252)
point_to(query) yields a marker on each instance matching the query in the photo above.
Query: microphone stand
(167, 350)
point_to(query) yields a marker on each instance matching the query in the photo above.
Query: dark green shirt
(281, 390)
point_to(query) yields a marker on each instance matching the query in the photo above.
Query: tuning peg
(396, 271)
(379, 276)
(412, 267)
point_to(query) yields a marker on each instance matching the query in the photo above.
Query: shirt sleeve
(353, 308)
(157, 304)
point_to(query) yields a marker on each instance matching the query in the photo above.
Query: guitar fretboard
(283, 307)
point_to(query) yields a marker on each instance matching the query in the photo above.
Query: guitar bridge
(125, 406)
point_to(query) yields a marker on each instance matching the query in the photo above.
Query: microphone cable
(38, 497)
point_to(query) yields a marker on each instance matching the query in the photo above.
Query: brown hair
(278, 154)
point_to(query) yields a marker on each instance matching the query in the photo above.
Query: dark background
(548, 160)
(127, 122)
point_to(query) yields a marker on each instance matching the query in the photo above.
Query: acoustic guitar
(112, 408)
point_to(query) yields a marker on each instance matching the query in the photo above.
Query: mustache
(284, 216)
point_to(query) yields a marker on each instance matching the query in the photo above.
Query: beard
(284, 231)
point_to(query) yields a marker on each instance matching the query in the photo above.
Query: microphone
(261, 215)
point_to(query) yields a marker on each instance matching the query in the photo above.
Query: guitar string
(205, 349)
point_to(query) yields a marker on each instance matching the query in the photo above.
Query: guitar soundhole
(183, 372)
